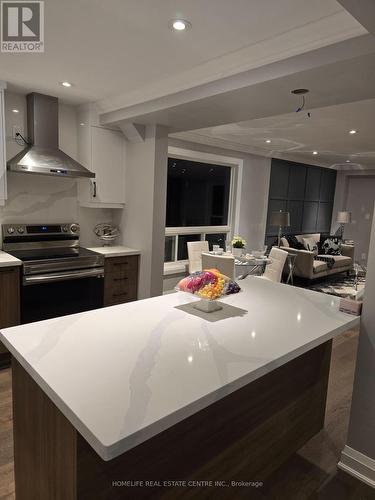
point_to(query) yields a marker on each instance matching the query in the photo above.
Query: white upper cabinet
(3, 168)
(102, 151)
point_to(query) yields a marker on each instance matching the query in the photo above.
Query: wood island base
(245, 436)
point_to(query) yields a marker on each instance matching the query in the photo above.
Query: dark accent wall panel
(296, 208)
(297, 183)
(324, 217)
(327, 185)
(313, 184)
(306, 191)
(310, 216)
(279, 181)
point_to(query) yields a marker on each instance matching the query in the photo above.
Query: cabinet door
(9, 298)
(120, 279)
(108, 163)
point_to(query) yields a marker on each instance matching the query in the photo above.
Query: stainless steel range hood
(43, 155)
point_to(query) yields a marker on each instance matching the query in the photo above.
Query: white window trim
(172, 231)
(234, 195)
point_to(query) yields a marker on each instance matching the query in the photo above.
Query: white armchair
(274, 270)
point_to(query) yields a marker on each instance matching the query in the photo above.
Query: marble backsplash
(43, 199)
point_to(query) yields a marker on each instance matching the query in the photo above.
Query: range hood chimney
(43, 156)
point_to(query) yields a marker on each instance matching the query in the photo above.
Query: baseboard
(358, 465)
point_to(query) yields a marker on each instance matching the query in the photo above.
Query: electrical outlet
(364, 256)
(16, 129)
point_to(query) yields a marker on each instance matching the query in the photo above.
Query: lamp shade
(344, 217)
(280, 218)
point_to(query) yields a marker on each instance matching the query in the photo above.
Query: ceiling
(122, 51)
(238, 62)
(295, 136)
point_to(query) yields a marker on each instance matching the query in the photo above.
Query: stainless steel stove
(58, 276)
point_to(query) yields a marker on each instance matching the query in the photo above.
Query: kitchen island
(156, 390)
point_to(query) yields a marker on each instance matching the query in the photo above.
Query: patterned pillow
(331, 246)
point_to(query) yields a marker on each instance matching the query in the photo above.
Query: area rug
(340, 285)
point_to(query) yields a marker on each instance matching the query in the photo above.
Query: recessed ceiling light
(82, 124)
(66, 84)
(300, 91)
(179, 24)
(15, 110)
(268, 141)
(315, 152)
(352, 131)
(347, 161)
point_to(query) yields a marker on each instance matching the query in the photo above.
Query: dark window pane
(216, 239)
(169, 249)
(182, 244)
(197, 194)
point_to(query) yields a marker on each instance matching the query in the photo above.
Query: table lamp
(343, 218)
(281, 219)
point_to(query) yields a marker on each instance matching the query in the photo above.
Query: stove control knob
(74, 228)
(64, 229)
(20, 230)
(10, 230)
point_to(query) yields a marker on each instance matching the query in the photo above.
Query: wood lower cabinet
(121, 279)
(9, 303)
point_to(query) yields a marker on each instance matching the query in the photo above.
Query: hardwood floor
(310, 474)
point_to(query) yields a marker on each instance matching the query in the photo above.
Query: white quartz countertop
(123, 374)
(7, 260)
(115, 251)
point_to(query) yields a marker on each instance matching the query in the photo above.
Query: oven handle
(69, 275)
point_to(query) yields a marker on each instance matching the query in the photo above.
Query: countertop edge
(117, 252)
(9, 260)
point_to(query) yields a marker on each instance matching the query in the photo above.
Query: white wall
(37, 198)
(355, 191)
(358, 457)
(253, 203)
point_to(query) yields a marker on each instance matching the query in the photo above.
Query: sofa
(308, 267)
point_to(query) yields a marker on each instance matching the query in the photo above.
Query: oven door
(50, 295)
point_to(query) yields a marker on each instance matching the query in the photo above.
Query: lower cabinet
(120, 279)
(9, 302)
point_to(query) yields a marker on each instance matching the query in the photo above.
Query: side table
(291, 262)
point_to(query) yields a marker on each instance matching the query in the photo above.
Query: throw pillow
(284, 242)
(310, 244)
(331, 246)
(294, 243)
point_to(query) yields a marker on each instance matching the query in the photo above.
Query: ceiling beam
(132, 131)
(236, 98)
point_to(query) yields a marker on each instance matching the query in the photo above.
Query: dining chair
(223, 263)
(274, 270)
(195, 249)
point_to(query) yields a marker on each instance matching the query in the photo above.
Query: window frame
(229, 229)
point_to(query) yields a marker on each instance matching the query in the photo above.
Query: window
(197, 194)
(198, 206)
